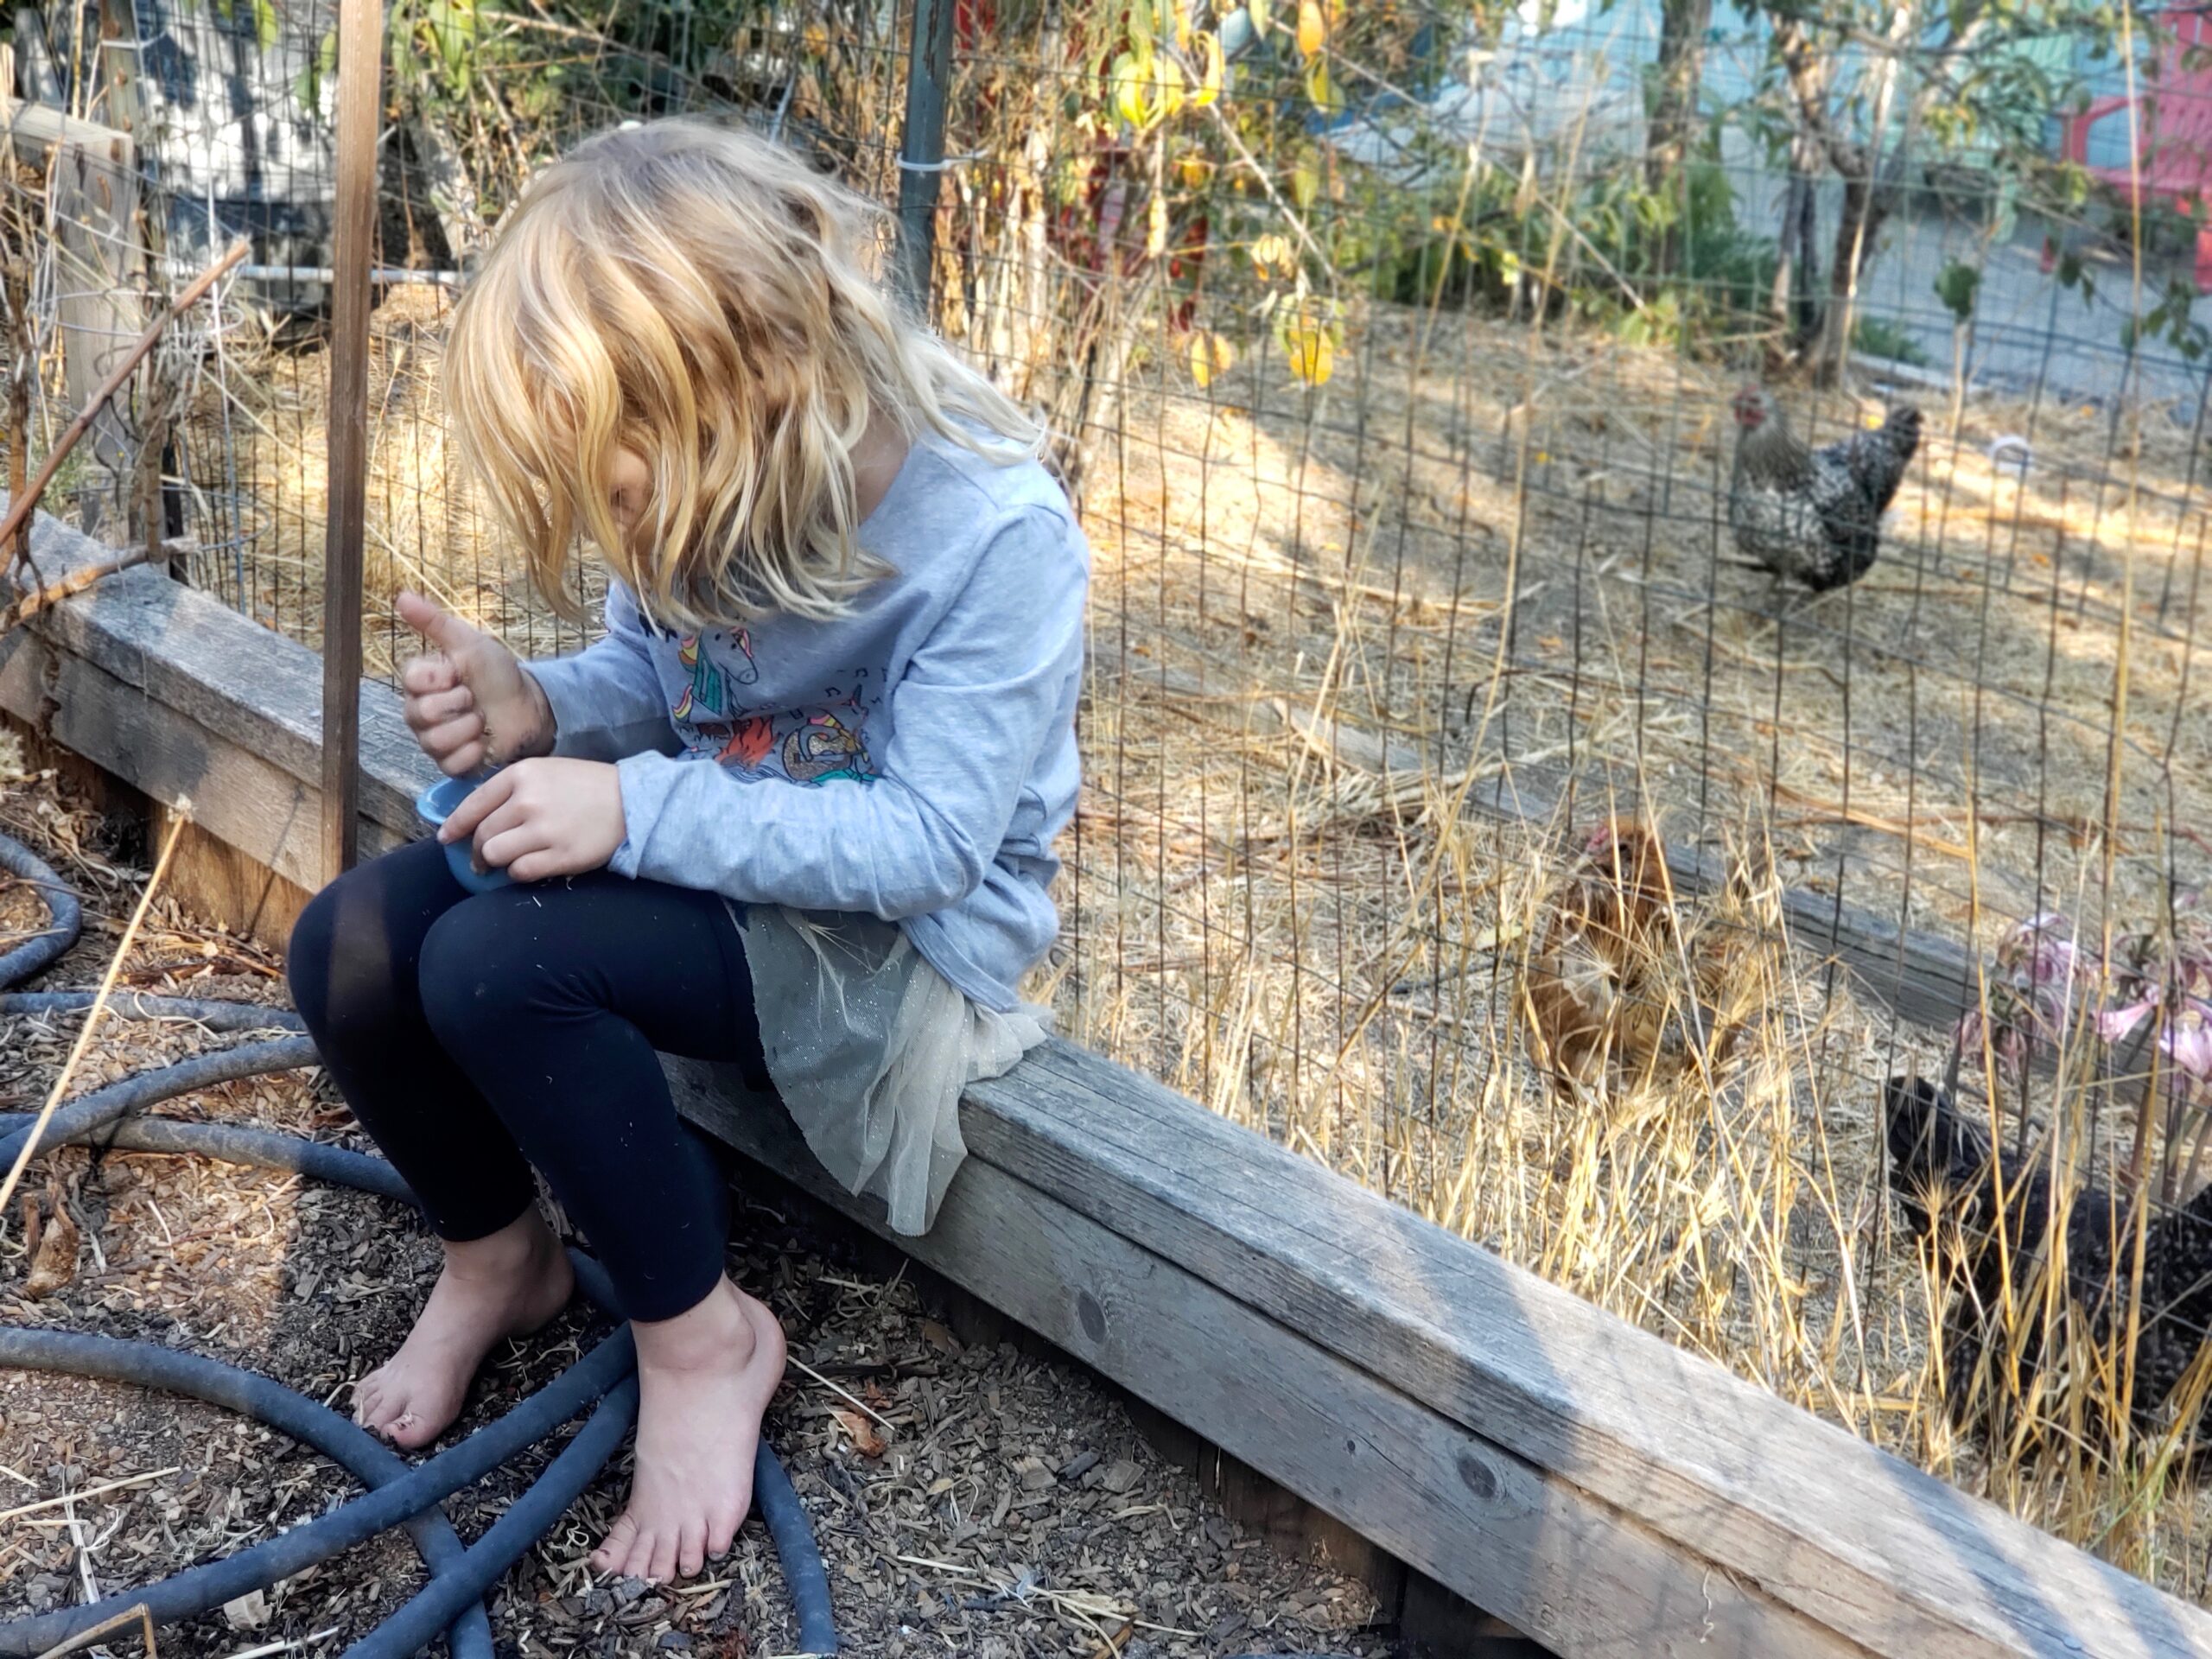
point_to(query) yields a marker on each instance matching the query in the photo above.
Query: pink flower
(2115, 1024)
(2187, 1039)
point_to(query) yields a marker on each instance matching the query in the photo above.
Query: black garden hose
(90, 1110)
(65, 916)
(137, 1005)
(400, 1494)
(205, 1588)
(233, 1144)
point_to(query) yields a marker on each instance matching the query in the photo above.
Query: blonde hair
(703, 297)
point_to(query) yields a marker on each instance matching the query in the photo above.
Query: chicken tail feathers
(1902, 428)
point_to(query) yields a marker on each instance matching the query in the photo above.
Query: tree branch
(78, 580)
(19, 510)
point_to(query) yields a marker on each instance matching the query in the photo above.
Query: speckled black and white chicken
(1814, 516)
(1949, 1182)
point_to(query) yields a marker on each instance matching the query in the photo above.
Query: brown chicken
(1625, 986)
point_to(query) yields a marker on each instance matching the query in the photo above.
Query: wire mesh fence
(1393, 353)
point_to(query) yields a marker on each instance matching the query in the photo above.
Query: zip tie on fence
(945, 166)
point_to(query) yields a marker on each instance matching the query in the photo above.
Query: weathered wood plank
(1540, 1552)
(1631, 1498)
(93, 193)
(235, 795)
(32, 125)
(244, 689)
(237, 680)
(1861, 1541)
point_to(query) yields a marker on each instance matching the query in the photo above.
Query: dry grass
(1484, 562)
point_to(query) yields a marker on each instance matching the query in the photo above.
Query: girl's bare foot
(506, 1284)
(704, 1378)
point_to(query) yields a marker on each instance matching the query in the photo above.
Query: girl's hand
(469, 705)
(543, 817)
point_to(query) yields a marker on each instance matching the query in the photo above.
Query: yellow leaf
(1194, 169)
(1273, 252)
(1129, 90)
(1305, 184)
(817, 40)
(1312, 354)
(1210, 60)
(1258, 12)
(1326, 98)
(1211, 357)
(1313, 28)
(1182, 25)
(1168, 89)
(1155, 230)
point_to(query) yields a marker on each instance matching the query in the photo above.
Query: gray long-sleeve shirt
(912, 760)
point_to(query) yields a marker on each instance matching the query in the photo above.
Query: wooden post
(93, 195)
(360, 67)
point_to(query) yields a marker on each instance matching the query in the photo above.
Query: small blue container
(433, 806)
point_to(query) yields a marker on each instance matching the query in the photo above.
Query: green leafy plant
(1879, 337)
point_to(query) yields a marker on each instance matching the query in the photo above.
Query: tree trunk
(1680, 71)
(1867, 204)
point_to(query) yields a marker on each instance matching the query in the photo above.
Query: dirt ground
(969, 1500)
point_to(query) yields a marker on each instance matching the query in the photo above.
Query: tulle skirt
(870, 1046)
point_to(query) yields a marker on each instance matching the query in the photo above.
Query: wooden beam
(1854, 1539)
(29, 124)
(1593, 1486)
(194, 690)
(1501, 1532)
(361, 83)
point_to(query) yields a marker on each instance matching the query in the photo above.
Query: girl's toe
(408, 1429)
(613, 1554)
(691, 1549)
(723, 1523)
(662, 1565)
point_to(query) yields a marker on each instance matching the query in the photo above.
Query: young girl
(795, 811)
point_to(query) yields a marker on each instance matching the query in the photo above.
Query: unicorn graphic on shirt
(708, 692)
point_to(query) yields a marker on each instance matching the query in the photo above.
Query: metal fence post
(360, 77)
(921, 148)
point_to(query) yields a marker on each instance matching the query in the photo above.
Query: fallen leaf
(865, 1433)
(54, 1263)
(247, 1612)
(1313, 28)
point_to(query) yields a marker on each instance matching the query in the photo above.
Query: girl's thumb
(434, 622)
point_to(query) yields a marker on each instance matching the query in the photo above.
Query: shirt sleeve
(975, 708)
(607, 699)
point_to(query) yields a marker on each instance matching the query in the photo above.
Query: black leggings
(476, 1034)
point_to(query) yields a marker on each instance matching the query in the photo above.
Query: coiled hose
(398, 1494)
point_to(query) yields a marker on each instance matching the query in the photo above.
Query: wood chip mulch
(970, 1499)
